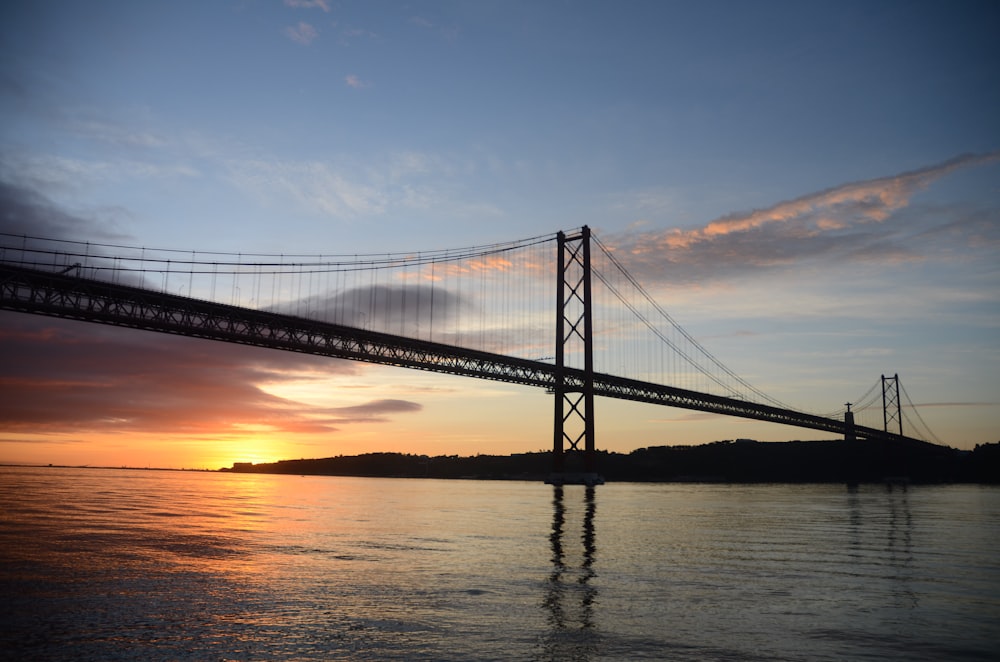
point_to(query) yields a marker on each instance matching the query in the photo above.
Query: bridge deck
(67, 296)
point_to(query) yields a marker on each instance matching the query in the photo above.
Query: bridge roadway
(73, 297)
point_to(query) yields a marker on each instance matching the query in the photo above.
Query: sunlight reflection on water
(107, 564)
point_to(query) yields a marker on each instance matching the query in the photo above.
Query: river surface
(100, 564)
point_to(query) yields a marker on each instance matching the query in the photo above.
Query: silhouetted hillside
(400, 465)
(742, 461)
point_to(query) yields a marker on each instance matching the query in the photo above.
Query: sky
(812, 189)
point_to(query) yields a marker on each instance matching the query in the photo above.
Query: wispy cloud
(66, 377)
(404, 309)
(24, 211)
(355, 82)
(653, 201)
(46, 172)
(357, 32)
(302, 33)
(849, 222)
(374, 411)
(449, 33)
(313, 185)
(350, 33)
(116, 134)
(309, 4)
(348, 190)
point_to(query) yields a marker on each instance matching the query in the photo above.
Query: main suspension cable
(687, 336)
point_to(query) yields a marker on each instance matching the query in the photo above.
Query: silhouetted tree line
(739, 461)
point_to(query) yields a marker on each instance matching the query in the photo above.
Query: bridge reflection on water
(570, 597)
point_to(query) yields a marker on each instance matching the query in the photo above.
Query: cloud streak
(303, 33)
(24, 211)
(50, 173)
(374, 411)
(312, 185)
(63, 377)
(309, 4)
(355, 82)
(347, 190)
(849, 222)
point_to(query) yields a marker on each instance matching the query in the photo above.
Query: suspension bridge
(486, 312)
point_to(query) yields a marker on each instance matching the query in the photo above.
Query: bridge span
(67, 295)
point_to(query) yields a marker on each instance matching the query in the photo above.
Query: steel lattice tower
(574, 406)
(891, 408)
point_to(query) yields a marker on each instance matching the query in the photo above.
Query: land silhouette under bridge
(736, 461)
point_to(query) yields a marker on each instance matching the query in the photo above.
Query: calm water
(113, 565)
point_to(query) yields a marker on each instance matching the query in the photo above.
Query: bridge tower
(849, 434)
(891, 408)
(574, 405)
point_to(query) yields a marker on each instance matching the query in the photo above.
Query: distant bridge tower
(849, 434)
(891, 407)
(574, 406)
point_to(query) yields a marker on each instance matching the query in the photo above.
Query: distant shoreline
(731, 461)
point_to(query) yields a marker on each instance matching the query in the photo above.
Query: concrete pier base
(574, 478)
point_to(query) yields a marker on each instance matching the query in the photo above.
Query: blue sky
(811, 188)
